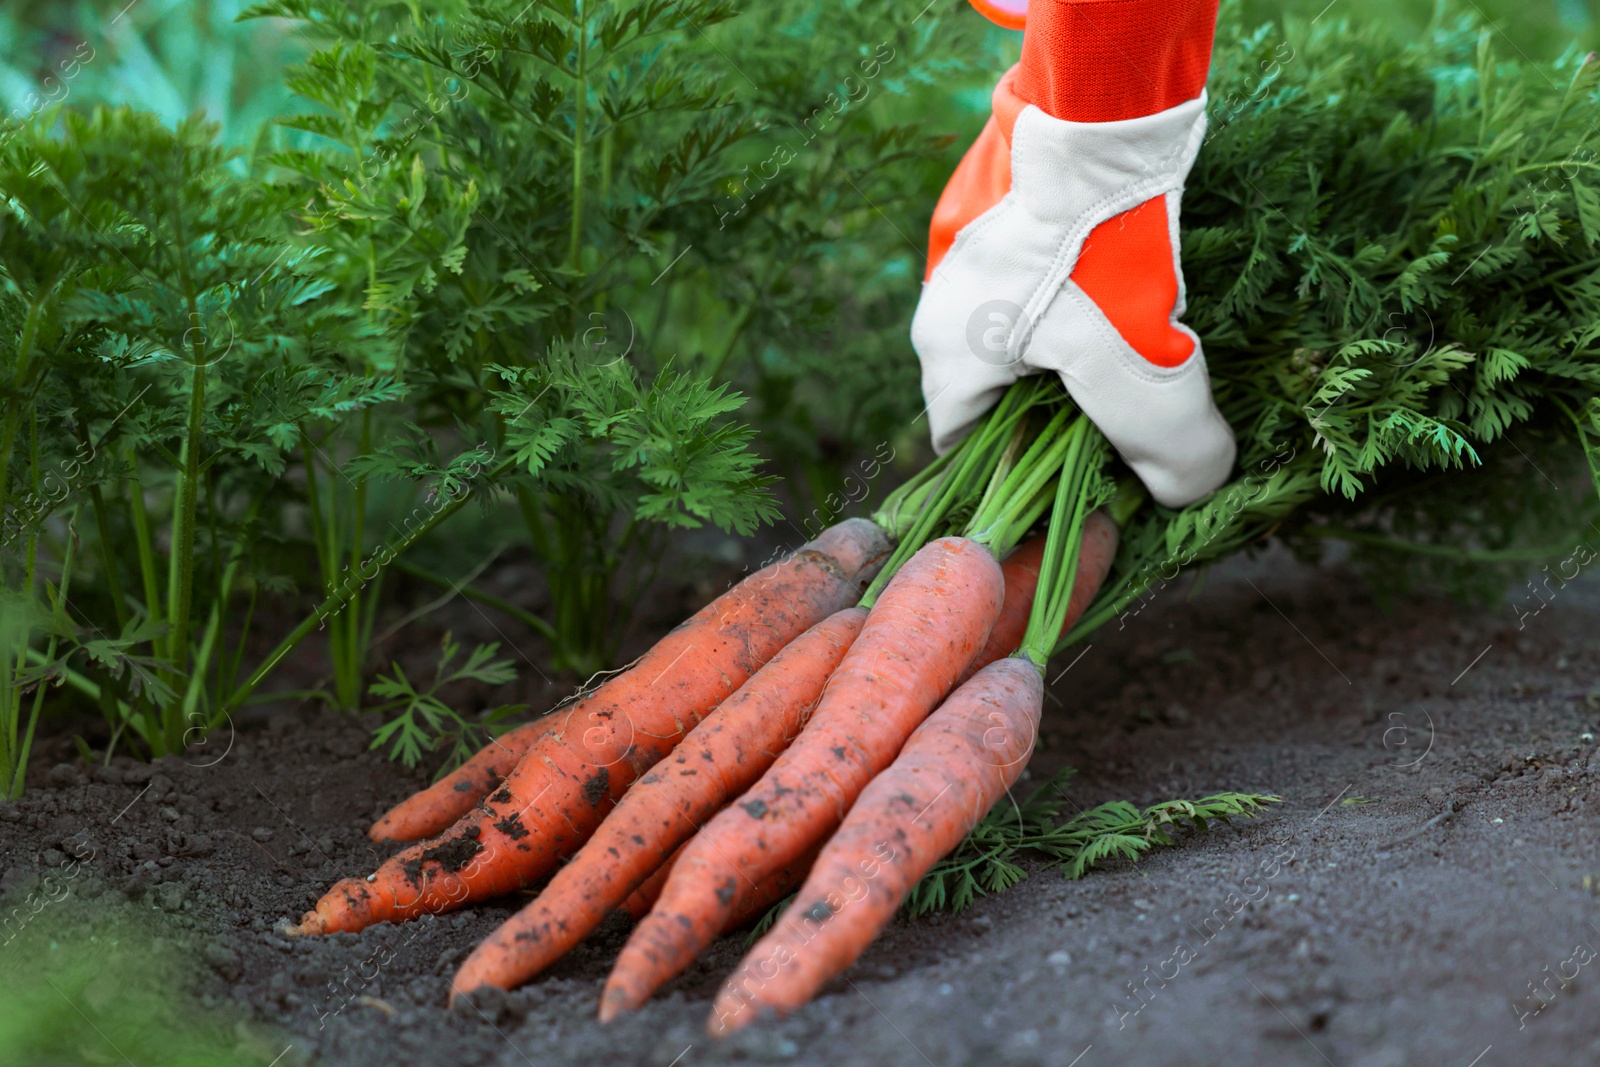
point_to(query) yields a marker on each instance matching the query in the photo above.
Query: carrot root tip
(613, 1004)
(308, 925)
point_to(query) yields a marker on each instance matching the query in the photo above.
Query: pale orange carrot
(951, 771)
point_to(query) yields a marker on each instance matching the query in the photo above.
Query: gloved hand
(1055, 245)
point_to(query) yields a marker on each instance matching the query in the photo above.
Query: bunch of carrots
(796, 732)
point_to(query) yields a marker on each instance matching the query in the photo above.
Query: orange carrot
(951, 771)
(571, 775)
(432, 810)
(932, 618)
(718, 760)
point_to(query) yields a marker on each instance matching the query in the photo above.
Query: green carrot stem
(1058, 569)
(147, 556)
(180, 561)
(900, 509)
(1022, 500)
(354, 651)
(337, 598)
(905, 505)
(1003, 469)
(20, 766)
(108, 557)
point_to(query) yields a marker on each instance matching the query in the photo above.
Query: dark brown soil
(1433, 867)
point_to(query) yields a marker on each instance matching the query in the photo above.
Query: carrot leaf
(989, 859)
(426, 723)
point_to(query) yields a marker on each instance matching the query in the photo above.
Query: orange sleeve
(1103, 60)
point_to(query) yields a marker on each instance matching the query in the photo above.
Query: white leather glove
(1004, 302)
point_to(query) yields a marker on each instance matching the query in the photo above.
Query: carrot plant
(1392, 254)
(167, 339)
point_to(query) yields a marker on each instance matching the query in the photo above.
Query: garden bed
(1384, 914)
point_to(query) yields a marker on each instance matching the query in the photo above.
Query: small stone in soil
(169, 895)
(63, 775)
(261, 833)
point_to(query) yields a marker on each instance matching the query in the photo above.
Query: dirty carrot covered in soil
(933, 617)
(952, 769)
(726, 753)
(718, 760)
(573, 773)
